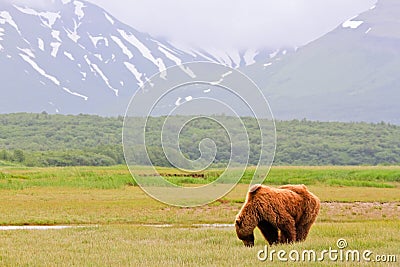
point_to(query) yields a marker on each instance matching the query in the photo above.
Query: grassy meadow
(125, 227)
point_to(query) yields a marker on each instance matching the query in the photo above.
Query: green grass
(67, 177)
(326, 174)
(118, 176)
(365, 214)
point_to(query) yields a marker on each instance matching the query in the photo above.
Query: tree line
(90, 140)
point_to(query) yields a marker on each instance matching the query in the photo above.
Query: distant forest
(90, 140)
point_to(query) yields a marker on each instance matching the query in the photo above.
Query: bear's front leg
(288, 230)
(269, 232)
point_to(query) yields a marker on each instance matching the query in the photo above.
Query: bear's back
(258, 191)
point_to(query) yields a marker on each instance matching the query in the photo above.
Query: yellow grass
(367, 217)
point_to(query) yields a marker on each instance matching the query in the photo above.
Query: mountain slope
(350, 74)
(74, 57)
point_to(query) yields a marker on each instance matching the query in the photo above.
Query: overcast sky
(233, 23)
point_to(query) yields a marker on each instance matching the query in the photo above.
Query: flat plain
(119, 225)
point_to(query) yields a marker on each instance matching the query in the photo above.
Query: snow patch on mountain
(79, 9)
(96, 39)
(41, 44)
(5, 17)
(100, 57)
(185, 49)
(27, 51)
(69, 55)
(274, 54)
(234, 54)
(178, 101)
(1, 39)
(206, 56)
(249, 56)
(135, 72)
(226, 74)
(177, 61)
(105, 79)
(143, 49)
(109, 18)
(123, 47)
(353, 24)
(221, 56)
(55, 46)
(47, 18)
(96, 69)
(267, 64)
(36, 67)
(84, 74)
(89, 64)
(73, 35)
(169, 55)
(56, 35)
(75, 93)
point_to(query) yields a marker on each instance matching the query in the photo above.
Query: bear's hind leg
(304, 224)
(269, 232)
(302, 231)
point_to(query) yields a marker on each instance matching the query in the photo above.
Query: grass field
(126, 227)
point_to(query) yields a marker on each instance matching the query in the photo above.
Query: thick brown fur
(283, 215)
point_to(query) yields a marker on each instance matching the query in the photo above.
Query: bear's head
(248, 218)
(244, 234)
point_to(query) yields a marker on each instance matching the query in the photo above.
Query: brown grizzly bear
(283, 215)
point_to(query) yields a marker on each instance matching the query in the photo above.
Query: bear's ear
(254, 188)
(238, 222)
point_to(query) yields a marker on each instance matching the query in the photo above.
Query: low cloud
(235, 23)
(41, 4)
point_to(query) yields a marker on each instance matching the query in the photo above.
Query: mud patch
(213, 225)
(338, 211)
(44, 227)
(158, 225)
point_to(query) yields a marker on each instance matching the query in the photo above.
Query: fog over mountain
(226, 24)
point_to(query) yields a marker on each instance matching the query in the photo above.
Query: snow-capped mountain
(349, 74)
(75, 57)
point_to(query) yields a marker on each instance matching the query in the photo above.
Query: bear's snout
(248, 241)
(248, 244)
